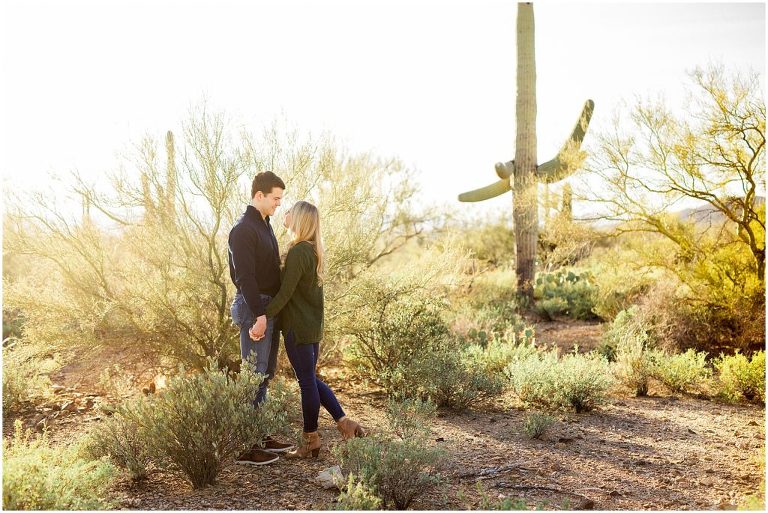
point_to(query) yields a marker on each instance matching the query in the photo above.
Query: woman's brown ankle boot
(310, 447)
(349, 428)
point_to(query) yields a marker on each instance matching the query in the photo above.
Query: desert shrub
(574, 381)
(201, 420)
(565, 293)
(491, 241)
(685, 372)
(708, 312)
(122, 438)
(396, 329)
(536, 424)
(583, 381)
(25, 375)
(630, 324)
(357, 496)
(493, 357)
(490, 305)
(410, 418)
(635, 364)
(632, 340)
(563, 242)
(619, 281)
(739, 376)
(396, 468)
(38, 476)
(448, 380)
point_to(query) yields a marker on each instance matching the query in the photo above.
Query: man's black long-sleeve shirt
(254, 259)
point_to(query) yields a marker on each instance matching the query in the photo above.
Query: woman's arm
(296, 263)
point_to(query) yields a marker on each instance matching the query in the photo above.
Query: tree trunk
(525, 200)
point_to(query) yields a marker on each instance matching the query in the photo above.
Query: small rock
(752, 423)
(439, 439)
(57, 389)
(691, 431)
(491, 420)
(614, 493)
(725, 505)
(565, 440)
(330, 478)
(737, 433)
(560, 445)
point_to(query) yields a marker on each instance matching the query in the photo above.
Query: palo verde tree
(711, 156)
(523, 174)
(692, 183)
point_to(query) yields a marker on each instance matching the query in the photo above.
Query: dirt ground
(659, 452)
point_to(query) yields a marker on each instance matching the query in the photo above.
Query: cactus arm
(505, 169)
(563, 164)
(485, 193)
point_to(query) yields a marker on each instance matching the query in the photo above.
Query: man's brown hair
(265, 182)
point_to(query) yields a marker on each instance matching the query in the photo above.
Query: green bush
(37, 476)
(448, 380)
(686, 372)
(394, 326)
(357, 496)
(618, 281)
(631, 339)
(202, 420)
(25, 376)
(123, 439)
(739, 376)
(488, 307)
(565, 293)
(635, 364)
(536, 424)
(396, 468)
(575, 381)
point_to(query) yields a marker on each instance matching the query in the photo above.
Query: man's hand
(257, 330)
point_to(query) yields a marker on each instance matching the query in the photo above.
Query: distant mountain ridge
(708, 214)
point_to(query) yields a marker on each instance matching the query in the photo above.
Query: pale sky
(432, 82)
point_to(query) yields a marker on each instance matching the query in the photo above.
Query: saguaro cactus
(170, 179)
(523, 173)
(566, 211)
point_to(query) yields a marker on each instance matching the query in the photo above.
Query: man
(254, 266)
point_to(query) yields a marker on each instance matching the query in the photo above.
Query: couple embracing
(285, 294)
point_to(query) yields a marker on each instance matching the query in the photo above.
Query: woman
(300, 304)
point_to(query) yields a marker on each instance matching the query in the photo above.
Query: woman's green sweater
(300, 300)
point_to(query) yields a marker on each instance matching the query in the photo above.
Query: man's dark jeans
(262, 353)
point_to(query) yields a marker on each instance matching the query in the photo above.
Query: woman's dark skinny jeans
(303, 358)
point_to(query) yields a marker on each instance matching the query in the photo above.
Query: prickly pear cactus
(523, 174)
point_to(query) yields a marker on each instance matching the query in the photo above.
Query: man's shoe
(272, 445)
(256, 457)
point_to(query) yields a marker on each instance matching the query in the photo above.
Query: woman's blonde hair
(305, 226)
